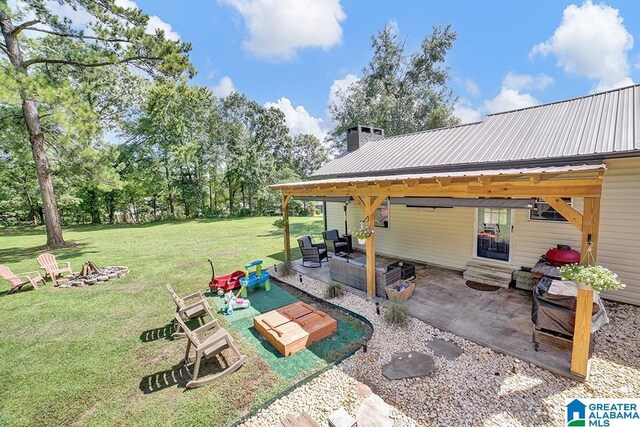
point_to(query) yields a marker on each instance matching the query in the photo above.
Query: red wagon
(225, 283)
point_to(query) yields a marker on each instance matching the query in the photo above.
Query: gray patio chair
(334, 242)
(312, 252)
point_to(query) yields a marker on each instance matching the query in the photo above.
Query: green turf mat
(303, 363)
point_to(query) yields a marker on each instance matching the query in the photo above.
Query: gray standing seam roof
(592, 127)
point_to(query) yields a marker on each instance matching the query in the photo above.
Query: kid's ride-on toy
(232, 301)
(222, 284)
(254, 278)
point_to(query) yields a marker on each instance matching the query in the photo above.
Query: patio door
(493, 234)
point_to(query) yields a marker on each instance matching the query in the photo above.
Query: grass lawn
(80, 356)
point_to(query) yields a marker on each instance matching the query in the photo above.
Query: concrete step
(488, 274)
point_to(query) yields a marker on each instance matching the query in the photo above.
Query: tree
(114, 35)
(399, 92)
(308, 154)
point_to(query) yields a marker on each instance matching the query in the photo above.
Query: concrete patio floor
(500, 320)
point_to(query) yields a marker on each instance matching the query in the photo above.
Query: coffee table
(408, 269)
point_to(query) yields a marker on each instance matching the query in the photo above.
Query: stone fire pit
(105, 274)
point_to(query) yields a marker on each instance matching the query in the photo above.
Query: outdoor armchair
(190, 310)
(21, 279)
(52, 267)
(334, 242)
(312, 252)
(200, 347)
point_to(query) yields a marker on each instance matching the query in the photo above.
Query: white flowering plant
(363, 233)
(597, 277)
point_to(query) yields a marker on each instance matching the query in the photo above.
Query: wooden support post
(590, 229)
(582, 332)
(584, 305)
(370, 248)
(287, 237)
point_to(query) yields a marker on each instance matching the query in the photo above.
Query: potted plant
(596, 277)
(362, 234)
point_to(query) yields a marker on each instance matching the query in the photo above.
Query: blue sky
(509, 54)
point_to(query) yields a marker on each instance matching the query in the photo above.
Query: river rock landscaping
(478, 387)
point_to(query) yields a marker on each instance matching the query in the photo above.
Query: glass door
(493, 234)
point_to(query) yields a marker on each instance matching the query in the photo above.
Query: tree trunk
(169, 190)
(155, 206)
(36, 137)
(95, 211)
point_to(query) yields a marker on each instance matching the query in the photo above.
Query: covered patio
(550, 184)
(500, 319)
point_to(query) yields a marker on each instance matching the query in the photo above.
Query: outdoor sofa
(353, 272)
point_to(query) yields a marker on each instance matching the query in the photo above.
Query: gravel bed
(480, 387)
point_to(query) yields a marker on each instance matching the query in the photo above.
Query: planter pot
(362, 241)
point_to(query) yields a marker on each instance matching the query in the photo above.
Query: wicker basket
(401, 296)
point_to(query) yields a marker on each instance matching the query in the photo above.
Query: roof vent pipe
(359, 135)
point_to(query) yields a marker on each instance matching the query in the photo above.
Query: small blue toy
(254, 278)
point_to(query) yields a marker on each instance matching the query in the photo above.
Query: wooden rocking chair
(207, 348)
(52, 268)
(22, 279)
(190, 311)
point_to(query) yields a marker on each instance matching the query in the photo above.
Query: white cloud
(471, 87)
(298, 118)
(224, 87)
(591, 41)
(278, 28)
(527, 81)
(340, 88)
(509, 99)
(513, 95)
(155, 23)
(465, 111)
(81, 19)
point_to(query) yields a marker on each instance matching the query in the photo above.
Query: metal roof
(589, 128)
(554, 170)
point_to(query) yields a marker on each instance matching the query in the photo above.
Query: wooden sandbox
(294, 327)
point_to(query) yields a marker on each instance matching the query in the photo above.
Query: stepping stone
(374, 412)
(446, 349)
(408, 365)
(341, 418)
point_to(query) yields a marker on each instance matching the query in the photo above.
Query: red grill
(562, 255)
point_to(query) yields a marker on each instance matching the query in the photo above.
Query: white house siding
(619, 247)
(445, 236)
(437, 236)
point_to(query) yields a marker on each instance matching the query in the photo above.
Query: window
(381, 217)
(493, 233)
(544, 212)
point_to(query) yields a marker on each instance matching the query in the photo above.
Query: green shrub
(396, 314)
(280, 223)
(334, 290)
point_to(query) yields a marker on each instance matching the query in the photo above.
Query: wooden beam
(545, 189)
(590, 230)
(360, 203)
(444, 181)
(484, 180)
(285, 231)
(584, 304)
(570, 214)
(376, 203)
(370, 248)
(582, 332)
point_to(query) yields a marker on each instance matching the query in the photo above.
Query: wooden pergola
(550, 184)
